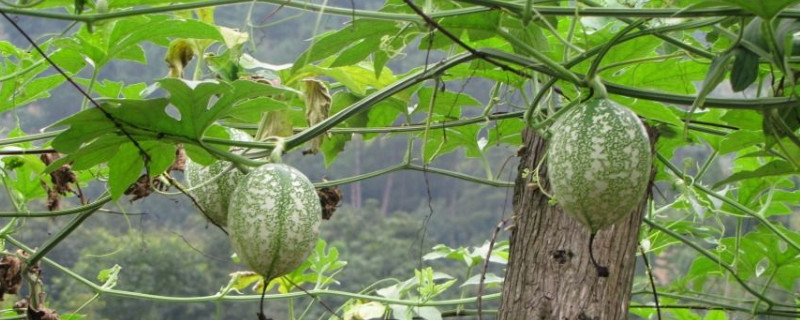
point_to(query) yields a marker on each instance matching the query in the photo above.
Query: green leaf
(325, 263)
(109, 276)
(83, 44)
(124, 169)
(199, 154)
(144, 119)
(738, 140)
(787, 276)
(743, 119)
(773, 168)
(357, 53)
(328, 44)
(71, 316)
(157, 28)
(85, 126)
(250, 111)
(447, 103)
(478, 26)
(123, 40)
(36, 89)
(492, 280)
(764, 9)
(650, 110)
(465, 71)
(659, 75)
(27, 181)
(745, 69)
(506, 131)
(115, 89)
(629, 50)
(532, 34)
(98, 152)
(779, 124)
(162, 155)
(772, 247)
(357, 78)
(749, 190)
(460, 254)
(381, 114)
(701, 270)
(716, 73)
(446, 140)
(716, 315)
(331, 147)
(29, 86)
(68, 60)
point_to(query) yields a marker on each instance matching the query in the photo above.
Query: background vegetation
(388, 224)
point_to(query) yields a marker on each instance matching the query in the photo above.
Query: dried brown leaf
(330, 198)
(318, 106)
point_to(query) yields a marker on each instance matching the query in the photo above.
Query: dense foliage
(442, 87)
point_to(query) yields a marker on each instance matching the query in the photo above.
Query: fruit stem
(261, 315)
(598, 87)
(277, 152)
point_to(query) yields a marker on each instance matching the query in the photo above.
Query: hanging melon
(599, 162)
(274, 219)
(213, 197)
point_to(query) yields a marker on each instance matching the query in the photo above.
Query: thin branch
(189, 244)
(324, 305)
(27, 151)
(688, 179)
(485, 266)
(220, 296)
(485, 5)
(182, 189)
(301, 5)
(649, 271)
(711, 257)
(518, 7)
(97, 204)
(460, 43)
(60, 236)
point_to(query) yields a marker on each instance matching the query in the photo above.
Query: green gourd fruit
(214, 197)
(273, 219)
(599, 162)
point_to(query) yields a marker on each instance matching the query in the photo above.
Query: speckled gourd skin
(273, 219)
(213, 197)
(599, 162)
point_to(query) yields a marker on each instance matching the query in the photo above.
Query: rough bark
(550, 275)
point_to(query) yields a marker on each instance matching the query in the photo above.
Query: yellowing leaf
(233, 37)
(318, 104)
(180, 52)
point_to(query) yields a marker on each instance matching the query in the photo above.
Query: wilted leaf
(318, 105)
(244, 279)
(369, 310)
(179, 54)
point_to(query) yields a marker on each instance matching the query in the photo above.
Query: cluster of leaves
(137, 127)
(428, 284)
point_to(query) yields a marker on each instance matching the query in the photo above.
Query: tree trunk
(550, 274)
